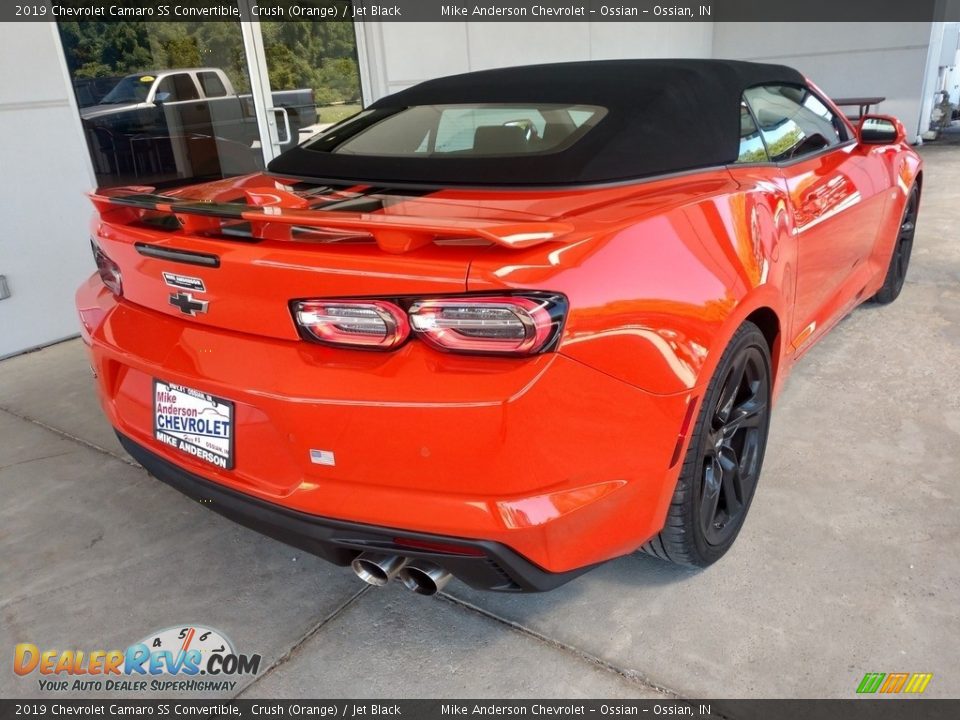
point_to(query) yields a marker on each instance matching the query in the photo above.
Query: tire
(720, 470)
(900, 259)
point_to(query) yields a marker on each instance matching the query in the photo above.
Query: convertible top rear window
(467, 130)
(542, 125)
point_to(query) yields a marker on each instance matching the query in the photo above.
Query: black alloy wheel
(725, 455)
(900, 260)
(733, 450)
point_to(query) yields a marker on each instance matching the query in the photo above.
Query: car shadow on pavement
(636, 574)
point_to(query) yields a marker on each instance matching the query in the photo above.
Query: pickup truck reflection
(184, 124)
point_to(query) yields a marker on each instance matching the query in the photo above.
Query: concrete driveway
(849, 562)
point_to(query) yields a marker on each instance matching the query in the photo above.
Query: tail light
(371, 324)
(515, 325)
(506, 325)
(109, 271)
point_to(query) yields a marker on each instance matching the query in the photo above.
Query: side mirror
(161, 98)
(881, 130)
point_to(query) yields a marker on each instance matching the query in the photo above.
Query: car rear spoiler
(272, 214)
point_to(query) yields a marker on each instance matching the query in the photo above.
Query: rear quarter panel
(902, 168)
(663, 276)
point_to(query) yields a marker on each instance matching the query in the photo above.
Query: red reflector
(373, 324)
(684, 427)
(440, 547)
(509, 324)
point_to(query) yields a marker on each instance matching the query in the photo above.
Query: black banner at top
(852, 11)
(487, 709)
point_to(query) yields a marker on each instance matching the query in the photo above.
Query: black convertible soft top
(662, 116)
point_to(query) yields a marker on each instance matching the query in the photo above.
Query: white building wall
(951, 80)
(394, 56)
(883, 59)
(44, 247)
(950, 61)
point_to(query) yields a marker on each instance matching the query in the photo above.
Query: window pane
(474, 130)
(211, 84)
(136, 135)
(175, 88)
(314, 75)
(131, 89)
(793, 121)
(186, 88)
(752, 149)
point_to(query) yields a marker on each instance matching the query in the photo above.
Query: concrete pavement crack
(305, 638)
(630, 676)
(68, 436)
(36, 459)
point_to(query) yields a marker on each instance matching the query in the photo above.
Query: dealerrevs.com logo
(187, 658)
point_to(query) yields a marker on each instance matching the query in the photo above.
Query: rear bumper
(549, 461)
(495, 567)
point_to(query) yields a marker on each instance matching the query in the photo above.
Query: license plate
(194, 422)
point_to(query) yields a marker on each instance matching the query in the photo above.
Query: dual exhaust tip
(420, 576)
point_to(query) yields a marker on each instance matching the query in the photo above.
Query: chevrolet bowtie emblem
(188, 304)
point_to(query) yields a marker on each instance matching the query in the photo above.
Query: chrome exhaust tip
(424, 578)
(377, 569)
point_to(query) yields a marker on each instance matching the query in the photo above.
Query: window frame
(851, 140)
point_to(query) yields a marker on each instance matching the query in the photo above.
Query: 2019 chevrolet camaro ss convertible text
(502, 326)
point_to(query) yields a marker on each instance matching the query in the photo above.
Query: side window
(212, 84)
(752, 149)
(793, 121)
(814, 104)
(177, 87)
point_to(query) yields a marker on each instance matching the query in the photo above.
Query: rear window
(483, 130)
(212, 84)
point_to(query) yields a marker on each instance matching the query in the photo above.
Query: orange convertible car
(501, 326)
